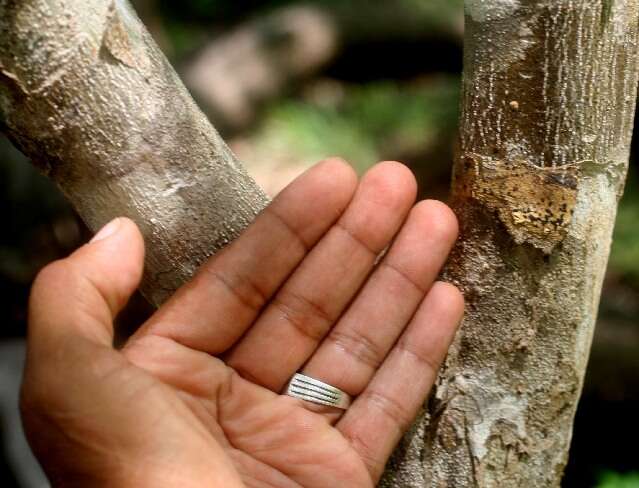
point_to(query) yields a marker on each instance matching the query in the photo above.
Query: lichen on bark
(548, 111)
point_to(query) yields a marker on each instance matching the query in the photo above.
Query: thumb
(82, 294)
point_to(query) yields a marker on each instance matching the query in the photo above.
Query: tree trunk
(548, 108)
(86, 93)
(549, 100)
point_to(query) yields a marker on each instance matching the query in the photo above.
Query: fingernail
(108, 230)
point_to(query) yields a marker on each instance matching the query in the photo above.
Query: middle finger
(356, 347)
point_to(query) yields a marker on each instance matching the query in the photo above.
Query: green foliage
(624, 260)
(616, 480)
(365, 124)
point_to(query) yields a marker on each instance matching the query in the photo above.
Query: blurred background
(290, 83)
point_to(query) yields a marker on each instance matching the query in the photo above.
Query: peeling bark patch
(116, 39)
(535, 204)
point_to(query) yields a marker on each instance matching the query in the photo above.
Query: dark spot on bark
(533, 203)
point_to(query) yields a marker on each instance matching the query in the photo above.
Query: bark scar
(535, 204)
(13, 78)
(117, 39)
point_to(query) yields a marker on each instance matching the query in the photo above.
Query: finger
(353, 351)
(212, 311)
(78, 297)
(384, 411)
(307, 306)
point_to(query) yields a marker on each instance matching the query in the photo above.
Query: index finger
(213, 311)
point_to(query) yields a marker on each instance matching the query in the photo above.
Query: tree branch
(86, 93)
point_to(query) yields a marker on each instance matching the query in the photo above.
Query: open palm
(194, 398)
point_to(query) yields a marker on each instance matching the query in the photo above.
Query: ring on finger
(315, 391)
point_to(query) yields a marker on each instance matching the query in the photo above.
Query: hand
(193, 399)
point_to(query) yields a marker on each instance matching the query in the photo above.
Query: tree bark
(548, 108)
(549, 98)
(86, 93)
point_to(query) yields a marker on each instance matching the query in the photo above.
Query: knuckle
(245, 290)
(291, 229)
(52, 274)
(366, 451)
(310, 318)
(361, 237)
(359, 346)
(430, 363)
(405, 276)
(390, 408)
(46, 287)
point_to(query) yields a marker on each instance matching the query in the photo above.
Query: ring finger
(356, 347)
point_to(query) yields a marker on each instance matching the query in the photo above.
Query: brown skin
(193, 398)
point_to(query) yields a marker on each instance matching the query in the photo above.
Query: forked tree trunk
(549, 97)
(548, 107)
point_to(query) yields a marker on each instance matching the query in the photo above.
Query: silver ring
(315, 391)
